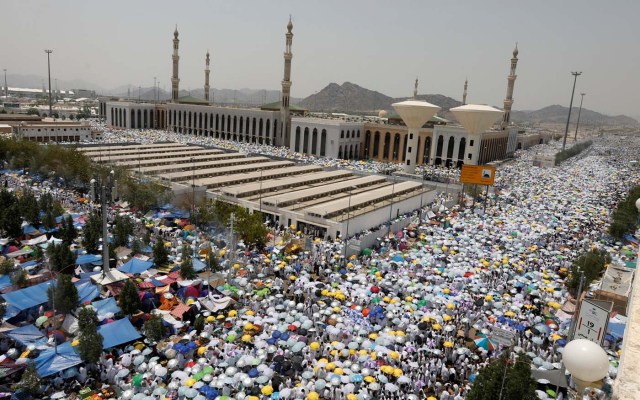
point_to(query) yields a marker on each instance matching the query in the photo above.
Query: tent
(105, 306)
(616, 329)
(117, 332)
(87, 291)
(5, 281)
(27, 335)
(26, 298)
(113, 275)
(135, 266)
(49, 363)
(198, 265)
(88, 259)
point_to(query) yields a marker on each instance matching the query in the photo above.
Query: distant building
(334, 138)
(47, 132)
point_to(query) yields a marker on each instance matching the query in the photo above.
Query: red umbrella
(292, 327)
(375, 289)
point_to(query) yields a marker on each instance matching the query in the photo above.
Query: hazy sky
(381, 45)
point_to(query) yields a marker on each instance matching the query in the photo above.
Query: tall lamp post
(566, 129)
(6, 88)
(346, 240)
(575, 137)
(49, 70)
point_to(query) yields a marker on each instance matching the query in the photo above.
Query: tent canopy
(49, 363)
(198, 265)
(105, 306)
(135, 266)
(87, 291)
(27, 335)
(88, 259)
(26, 298)
(117, 332)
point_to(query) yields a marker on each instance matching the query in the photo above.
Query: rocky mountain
(558, 114)
(350, 97)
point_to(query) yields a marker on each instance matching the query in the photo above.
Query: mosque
(439, 141)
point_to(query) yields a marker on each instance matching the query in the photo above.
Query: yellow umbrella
(266, 390)
(314, 346)
(446, 317)
(448, 344)
(450, 306)
(510, 314)
(369, 379)
(313, 396)
(436, 326)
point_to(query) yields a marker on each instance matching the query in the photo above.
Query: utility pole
(566, 129)
(575, 137)
(6, 88)
(49, 69)
(232, 244)
(105, 232)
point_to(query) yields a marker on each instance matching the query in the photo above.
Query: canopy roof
(135, 266)
(117, 332)
(26, 298)
(49, 363)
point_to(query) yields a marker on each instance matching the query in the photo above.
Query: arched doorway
(439, 145)
(367, 144)
(297, 144)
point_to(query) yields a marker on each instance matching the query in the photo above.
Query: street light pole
(393, 190)
(49, 70)
(6, 88)
(346, 240)
(566, 129)
(575, 137)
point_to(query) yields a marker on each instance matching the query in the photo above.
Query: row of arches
(350, 134)
(350, 152)
(122, 117)
(224, 126)
(311, 146)
(393, 147)
(451, 157)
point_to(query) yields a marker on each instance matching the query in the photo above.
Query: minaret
(286, 90)
(415, 89)
(206, 79)
(511, 80)
(464, 94)
(174, 79)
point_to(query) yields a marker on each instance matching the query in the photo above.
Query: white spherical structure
(382, 114)
(638, 204)
(585, 360)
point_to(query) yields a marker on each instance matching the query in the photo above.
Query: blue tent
(198, 265)
(117, 332)
(5, 281)
(87, 291)
(616, 329)
(28, 264)
(135, 266)
(105, 306)
(49, 363)
(28, 229)
(27, 335)
(26, 298)
(88, 259)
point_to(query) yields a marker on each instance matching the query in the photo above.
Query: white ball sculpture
(585, 360)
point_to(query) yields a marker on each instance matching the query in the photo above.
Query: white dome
(382, 114)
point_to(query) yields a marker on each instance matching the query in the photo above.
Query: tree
(504, 376)
(68, 231)
(13, 221)
(250, 227)
(29, 208)
(186, 269)
(591, 264)
(60, 257)
(64, 295)
(136, 247)
(19, 278)
(198, 324)
(71, 117)
(212, 262)
(160, 255)
(129, 299)
(49, 220)
(30, 381)
(90, 347)
(123, 228)
(3, 310)
(7, 266)
(57, 208)
(92, 233)
(154, 329)
(33, 111)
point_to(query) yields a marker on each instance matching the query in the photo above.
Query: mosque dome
(382, 114)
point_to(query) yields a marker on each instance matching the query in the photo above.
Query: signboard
(502, 336)
(592, 322)
(478, 174)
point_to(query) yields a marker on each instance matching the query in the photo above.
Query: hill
(558, 114)
(350, 97)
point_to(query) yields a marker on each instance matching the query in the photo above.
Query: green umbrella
(366, 252)
(551, 393)
(137, 380)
